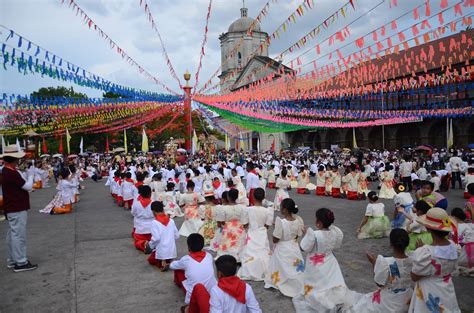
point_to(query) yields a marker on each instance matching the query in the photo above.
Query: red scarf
(216, 184)
(144, 201)
(176, 180)
(198, 256)
(163, 218)
(234, 287)
(116, 179)
(253, 171)
(138, 184)
(129, 180)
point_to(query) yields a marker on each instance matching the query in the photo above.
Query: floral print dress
(192, 220)
(208, 229)
(286, 266)
(392, 275)
(324, 287)
(233, 233)
(434, 293)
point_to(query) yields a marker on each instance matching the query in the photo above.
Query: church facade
(244, 60)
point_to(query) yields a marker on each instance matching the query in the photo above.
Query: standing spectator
(16, 203)
(406, 168)
(455, 163)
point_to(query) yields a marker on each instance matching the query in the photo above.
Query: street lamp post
(187, 111)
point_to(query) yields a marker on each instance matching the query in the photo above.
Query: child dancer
(189, 201)
(336, 182)
(433, 198)
(468, 179)
(362, 184)
(207, 214)
(386, 179)
(129, 191)
(66, 188)
(303, 180)
(324, 287)
(329, 182)
(469, 206)
(230, 219)
(158, 187)
(465, 234)
(286, 267)
(374, 224)
(219, 212)
(282, 185)
(392, 276)
(142, 218)
(255, 253)
(432, 267)
(195, 268)
(172, 208)
(163, 238)
(321, 181)
(231, 294)
(404, 201)
(416, 231)
(352, 184)
(271, 177)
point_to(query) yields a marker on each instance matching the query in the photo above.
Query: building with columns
(244, 60)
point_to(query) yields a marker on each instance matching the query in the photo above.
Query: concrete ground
(87, 262)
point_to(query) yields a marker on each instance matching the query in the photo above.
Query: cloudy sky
(181, 23)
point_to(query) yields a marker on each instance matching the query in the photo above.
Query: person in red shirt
(15, 189)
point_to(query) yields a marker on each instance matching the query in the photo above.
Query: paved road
(87, 262)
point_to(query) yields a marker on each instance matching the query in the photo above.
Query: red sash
(163, 219)
(234, 287)
(144, 201)
(198, 256)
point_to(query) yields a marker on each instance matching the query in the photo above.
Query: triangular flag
(18, 146)
(68, 141)
(107, 144)
(144, 141)
(258, 145)
(39, 147)
(125, 140)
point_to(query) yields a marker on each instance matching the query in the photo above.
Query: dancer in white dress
(286, 267)
(386, 189)
(392, 276)
(432, 267)
(256, 253)
(158, 187)
(171, 204)
(324, 287)
(189, 201)
(282, 185)
(230, 219)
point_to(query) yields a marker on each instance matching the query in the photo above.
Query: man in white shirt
(252, 182)
(406, 167)
(455, 163)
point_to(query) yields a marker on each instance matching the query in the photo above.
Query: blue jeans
(16, 238)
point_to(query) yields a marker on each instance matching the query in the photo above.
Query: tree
(61, 91)
(112, 95)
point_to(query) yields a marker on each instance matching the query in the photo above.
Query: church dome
(243, 23)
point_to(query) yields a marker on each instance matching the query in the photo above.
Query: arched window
(239, 58)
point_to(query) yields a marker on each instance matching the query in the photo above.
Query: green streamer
(256, 124)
